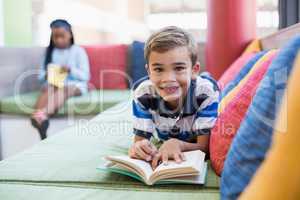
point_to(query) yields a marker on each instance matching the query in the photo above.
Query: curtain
(289, 12)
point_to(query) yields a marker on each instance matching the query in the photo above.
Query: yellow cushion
(254, 46)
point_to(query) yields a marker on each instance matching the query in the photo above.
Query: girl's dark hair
(58, 23)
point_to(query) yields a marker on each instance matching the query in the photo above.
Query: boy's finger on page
(132, 153)
(183, 158)
(146, 148)
(142, 154)
(155, 160)
(165, 158)
(177, 158)
(137, 154)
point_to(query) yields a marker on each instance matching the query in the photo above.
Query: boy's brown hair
(169, 38)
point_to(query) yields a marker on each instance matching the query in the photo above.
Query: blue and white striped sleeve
(207, 113)
(143, 124)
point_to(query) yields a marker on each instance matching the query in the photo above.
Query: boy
(175, 105)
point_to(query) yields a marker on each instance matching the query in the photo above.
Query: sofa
(64, 166)
(114, 69)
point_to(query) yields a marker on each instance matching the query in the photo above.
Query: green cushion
(92, 103)
(50, 192)
(69, 159)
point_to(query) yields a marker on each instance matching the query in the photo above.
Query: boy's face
(171, 73)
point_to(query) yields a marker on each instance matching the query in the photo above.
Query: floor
(17, 134)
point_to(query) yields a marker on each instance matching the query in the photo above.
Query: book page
(140, 165)
(55, 76)
(112, 167)
(199, 179)
(194, 159)
(192, 166)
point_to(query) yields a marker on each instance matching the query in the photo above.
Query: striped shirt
(151, 116)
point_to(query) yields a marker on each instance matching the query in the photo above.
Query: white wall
(1, 24)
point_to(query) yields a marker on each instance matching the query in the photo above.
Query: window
(183, 13)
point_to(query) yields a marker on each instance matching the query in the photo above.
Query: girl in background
(74, 61)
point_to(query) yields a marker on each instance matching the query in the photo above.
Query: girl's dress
(76, 59)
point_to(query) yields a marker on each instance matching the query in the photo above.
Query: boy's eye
(158, 69)
(179, 68)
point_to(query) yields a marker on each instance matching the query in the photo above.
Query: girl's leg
(43, 99)
(59, 97)
(48, 103)
(39, 118)
(41, 105)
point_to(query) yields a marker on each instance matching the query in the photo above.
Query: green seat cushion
(70, 159)
(51, 192)
(91, 103)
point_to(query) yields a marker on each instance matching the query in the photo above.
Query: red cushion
(107, 66)
(232, 115)
(234, 69)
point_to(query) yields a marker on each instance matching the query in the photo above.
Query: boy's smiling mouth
(170, 89)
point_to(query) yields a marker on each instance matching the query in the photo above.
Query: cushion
(230, 118)
(254, 46)
(54, 191)
(234, 69)
(228, 92)
(91, 103)
(69, 160)
(137, 68)
(108, 66)
(278, 177)
(253, 138)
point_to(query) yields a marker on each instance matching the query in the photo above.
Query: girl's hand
(65, 69)
(172, 149)
(143, 150)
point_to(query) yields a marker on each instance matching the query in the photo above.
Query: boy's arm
(202, 144)
(143, 127)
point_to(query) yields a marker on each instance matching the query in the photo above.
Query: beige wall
(102, 4)
(134, 9)
(94, 21)
(137, 10)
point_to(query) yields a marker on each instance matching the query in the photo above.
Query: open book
(191, 171)
(56, 76)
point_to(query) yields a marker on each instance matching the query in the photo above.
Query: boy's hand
(143, 149)
(170, 149)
